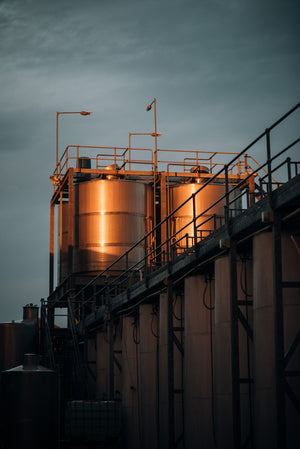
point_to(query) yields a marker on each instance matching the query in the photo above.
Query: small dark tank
(19, 338)
(30, 406)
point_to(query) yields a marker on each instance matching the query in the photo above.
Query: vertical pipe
(51, 253)
(57, 113)
(163, 208)
(67, 158)
(72, 227)
(61, 255)
(127, 266)
(168, 239)
(155, 163)
(227, 196)
(194, 219)
(278, 332)
(269, 189)
(288, 161)
(129, 151)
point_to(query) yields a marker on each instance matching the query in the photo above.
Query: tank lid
(199, 169)
(110, 168)
(30, 365)
(31, 361)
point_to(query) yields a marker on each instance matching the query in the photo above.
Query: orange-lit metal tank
(111, 215)
(63, 243)
(203, 200)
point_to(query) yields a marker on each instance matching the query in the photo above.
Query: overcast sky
(221, 70)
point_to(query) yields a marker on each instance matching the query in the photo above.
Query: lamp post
(139, 134)
(149, 107)
(57, 115)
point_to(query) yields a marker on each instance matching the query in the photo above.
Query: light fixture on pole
(148, 108)
(57, 115)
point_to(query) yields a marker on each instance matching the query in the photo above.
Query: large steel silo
(111, 215)
(208, 202)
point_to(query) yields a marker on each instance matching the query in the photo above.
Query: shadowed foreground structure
(180, 283)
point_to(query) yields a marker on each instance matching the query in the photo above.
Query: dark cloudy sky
(221, 70)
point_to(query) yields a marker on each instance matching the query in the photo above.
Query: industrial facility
(177, 276)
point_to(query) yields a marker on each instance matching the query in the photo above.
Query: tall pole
(155, 156)
(129, 151)
(57, 114)
(155, 164)
(155, 131)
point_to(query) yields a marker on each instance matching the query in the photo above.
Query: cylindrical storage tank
(15, 340)
(110, 217)
(203, 200)
(30, 406)
(83, 162)
(30, 312)
(63, 243)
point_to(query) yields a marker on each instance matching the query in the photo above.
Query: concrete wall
(149, 376)
(291, 301)
(225, 430)
(130, 387)
(264, 344)
(198, 333)
(266, 425)
(206, 333)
